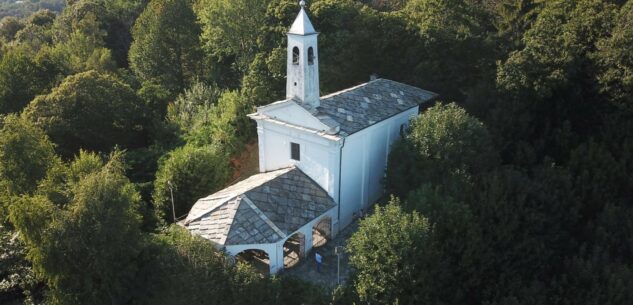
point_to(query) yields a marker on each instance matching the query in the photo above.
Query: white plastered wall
(319, 157)
(365, 156)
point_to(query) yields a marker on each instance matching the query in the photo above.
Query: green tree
(81, 45)
(616, 60)
(92, 111)
(113, 20)
(9, 26)
(192, 106)
(21, 79)
(226, 124)
(42, 18)
(512, 18)
(346, 44)
(87, 250)
(549, 93)
(386, 5)
(166, 47)
(186, 269)
(559, 40)
(119, 22)
(449, 248)
(384, 252)
(455, 52)
(223, 37)
(34, 37)
(26, 154)
(194, 172)
(444, 146)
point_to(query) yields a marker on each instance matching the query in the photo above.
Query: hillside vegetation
(24, 8)
(515, 188)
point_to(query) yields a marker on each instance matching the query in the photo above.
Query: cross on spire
(302, 3)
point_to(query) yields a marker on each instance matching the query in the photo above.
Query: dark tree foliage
(616, 60)
(444, 146)
(22, 77)
(9, 26)
(26, 8)
(519, 195)
(42, 18)
(25, 156)
(385, 251)
(166, 47)
(91, 111)
(86, 251)
(549, 98)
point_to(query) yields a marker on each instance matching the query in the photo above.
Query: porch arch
(257, 258)
(294, 249)
(322, 231)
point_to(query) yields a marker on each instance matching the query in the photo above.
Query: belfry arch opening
(295, 56)
(259, 259)
(294, 250)
(322, 232)
(310, 56)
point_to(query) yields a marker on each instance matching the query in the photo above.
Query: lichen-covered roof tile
(359, 107)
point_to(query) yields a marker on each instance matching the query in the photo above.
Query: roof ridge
(263, 216)
(224, 200)
(229, 220)
(348, 89)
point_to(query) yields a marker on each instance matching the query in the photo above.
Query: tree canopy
(518, 192)
(91, 111)
(194, 172)
(444, 146)
(166, 47)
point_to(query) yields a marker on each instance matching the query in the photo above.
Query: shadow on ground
(306, 269)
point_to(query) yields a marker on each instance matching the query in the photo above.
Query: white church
(321, 160)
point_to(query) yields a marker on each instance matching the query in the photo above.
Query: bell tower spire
(302, 80)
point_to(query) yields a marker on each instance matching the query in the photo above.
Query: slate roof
(359, 107)
(262, 209)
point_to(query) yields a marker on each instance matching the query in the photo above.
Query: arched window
(295, 56)
(310, 56)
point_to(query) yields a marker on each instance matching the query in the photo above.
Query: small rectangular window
(295, 151)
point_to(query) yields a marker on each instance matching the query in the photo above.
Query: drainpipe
(340, 177)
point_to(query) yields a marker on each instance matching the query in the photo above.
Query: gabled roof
(262, 209)
(359, 107)
(351, 110)
(302, 25)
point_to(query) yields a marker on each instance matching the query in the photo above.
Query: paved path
(306, 270)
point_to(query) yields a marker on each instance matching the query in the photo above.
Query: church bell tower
(302, 80)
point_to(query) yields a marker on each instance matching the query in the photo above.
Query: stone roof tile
(359, 107)
(259, 209)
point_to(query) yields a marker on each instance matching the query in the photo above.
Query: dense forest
(24, 8)
(515, 188)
